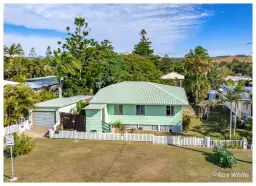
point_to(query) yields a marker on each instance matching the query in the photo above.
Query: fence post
(153, 137)
(207, 141)
(244, 143)
(126, 136)
(50, 133)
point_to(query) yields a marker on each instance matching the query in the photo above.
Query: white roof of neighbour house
(62, 102)
(173, 75)
(94, 106)
(140, 93)
(10, 82)
(237, 78)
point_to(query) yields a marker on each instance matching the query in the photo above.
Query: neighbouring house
(236, 79)
(242, 109)
(151, 106)
(47, 113)
(41, 82)
(174, 76)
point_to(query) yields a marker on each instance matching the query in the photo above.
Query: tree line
(86, 65)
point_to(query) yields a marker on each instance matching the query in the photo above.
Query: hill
(219, 59)
(242, 58)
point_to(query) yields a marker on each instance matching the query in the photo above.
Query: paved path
(37, 132)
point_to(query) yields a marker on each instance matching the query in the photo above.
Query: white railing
(167, 140)
(20, 127)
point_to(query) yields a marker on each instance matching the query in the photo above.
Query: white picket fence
(222, 143)
(102, 136)
(167, 140)
(19, 127)
(180, 140)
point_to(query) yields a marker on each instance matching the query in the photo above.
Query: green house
(147, 105)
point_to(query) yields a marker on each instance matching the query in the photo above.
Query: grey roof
(62, 102)
(140, 92)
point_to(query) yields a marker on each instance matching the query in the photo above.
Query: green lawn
(60, 160)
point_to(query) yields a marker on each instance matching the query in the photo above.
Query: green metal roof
(94, 106)
(62, 102)
(141, 93)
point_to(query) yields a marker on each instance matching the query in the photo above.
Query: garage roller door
(43, 119)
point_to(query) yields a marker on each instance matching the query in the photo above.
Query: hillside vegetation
(229, 59)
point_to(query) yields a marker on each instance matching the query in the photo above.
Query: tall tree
(232, 97)
(32, 53)
(199, 63)
(143, 47)
(14, 50)
(48, 52)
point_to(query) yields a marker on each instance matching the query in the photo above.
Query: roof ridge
(165, 91)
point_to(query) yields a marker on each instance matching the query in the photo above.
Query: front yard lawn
(61, 160)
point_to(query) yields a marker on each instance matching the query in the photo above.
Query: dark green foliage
(22, 145)
(46, 94)
(240, 67)
(80, 105)
(186, 122)
(224, 157)
(141, 68)
(143, 48)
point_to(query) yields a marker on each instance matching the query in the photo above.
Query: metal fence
(19, 127)
(168, 140)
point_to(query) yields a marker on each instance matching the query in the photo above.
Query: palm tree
(64, 63)
(232, 97)
(199, 63)
(13, 50)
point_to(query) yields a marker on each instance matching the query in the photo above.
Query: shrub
(233, 137)
(186, 122)
(140, 128)
(224, 157)
(117, 124)
(132, 130)
(22, 145)
(122, 128)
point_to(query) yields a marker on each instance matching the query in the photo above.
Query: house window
(140, 109)
(118, 109)
(169, 110)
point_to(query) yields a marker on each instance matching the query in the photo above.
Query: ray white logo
(231, 175)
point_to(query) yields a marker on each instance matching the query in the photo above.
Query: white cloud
(27, 42)
(166, 24)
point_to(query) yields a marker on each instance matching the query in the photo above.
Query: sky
(173, 29)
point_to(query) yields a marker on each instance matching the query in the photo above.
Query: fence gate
(72, 121)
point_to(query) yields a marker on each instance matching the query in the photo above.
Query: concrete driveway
(37, 132)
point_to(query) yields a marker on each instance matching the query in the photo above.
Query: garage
(47, 113)
(44, 118)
